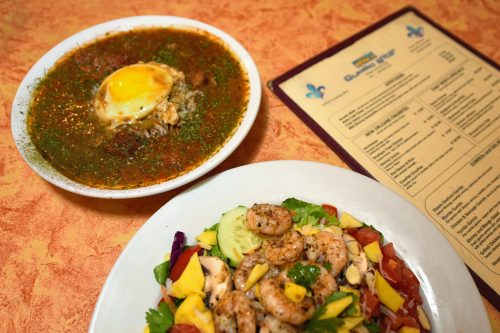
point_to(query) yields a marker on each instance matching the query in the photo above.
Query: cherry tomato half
(366, 235)
(184, 328)
(330, 210)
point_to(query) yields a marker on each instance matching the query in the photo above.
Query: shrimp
(272, 325)
(326, 247)
(322, 287)
(269, 219)
(281, 307)
(234, 313)
(285, 249)
(241, 273)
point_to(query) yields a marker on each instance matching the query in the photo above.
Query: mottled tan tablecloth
(56, 248)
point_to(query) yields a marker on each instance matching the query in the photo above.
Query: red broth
(63, 126)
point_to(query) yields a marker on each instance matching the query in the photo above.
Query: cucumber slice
(234, 238)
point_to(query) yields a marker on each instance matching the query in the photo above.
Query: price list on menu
(416, 109)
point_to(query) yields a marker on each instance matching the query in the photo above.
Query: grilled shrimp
(272, 325)
(269, 219)
(323, 286)
(326, 247)
(234, 313)
(241, 273)
(281, 307)
(285, 249)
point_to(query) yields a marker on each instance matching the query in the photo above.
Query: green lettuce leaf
(306, 213)
(161, 272)
(329, 325)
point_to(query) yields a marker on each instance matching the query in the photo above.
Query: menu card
(410, 105)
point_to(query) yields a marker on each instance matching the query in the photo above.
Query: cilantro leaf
(306, 213)
(161, 272)
(159, 321)
(304, 275)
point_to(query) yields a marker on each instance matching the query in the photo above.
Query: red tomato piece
(388, 251)
(184, 328)
(366, 235)
(410, 322)
(330, 210)
(370, 304)
(411, 285)
(182, 261)
(351, 231)
(392, 270)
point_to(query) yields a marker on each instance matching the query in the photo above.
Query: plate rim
(45, 170)
(474, 302)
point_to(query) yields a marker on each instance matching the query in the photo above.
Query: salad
(294, 267)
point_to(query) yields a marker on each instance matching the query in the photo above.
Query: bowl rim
(44, 169)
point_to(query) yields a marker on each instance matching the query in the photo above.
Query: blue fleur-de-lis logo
(315, 92)
(415, 31)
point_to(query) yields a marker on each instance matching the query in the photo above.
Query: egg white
(132, 93)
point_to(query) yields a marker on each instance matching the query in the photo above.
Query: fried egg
(133, 92)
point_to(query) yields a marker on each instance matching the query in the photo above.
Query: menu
(410, 105)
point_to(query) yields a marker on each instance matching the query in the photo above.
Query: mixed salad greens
(352, 283)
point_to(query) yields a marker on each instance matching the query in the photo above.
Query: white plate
(23, 97)
(451, 298)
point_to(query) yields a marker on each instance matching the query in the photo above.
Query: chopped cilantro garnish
(159, 321)
(304, 275)
(306, 213)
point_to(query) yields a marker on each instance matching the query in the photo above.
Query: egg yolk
(132, 92)
(136, 81)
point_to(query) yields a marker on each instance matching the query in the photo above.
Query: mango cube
(373, 252)
(208, 237)
(256, 273)
(351, 322)
(295, 292)
(334, 308)
(193, 311)
(386, 294)
(407, 329)
(349, 221)
(191, 280)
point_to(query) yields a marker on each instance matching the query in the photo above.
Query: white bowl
(451, 299)
(49, 173)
